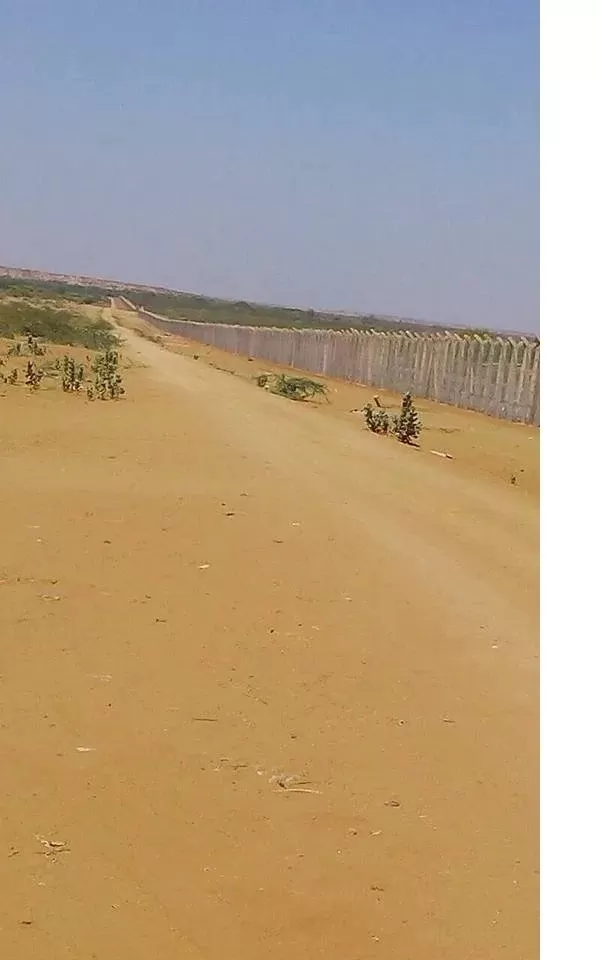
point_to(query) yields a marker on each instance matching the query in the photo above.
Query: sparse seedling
(108, 381)
(72, 375)
(294, 388)
(91, 394)
(33, 375)
(13, 377)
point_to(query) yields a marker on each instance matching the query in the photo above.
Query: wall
(497, 375)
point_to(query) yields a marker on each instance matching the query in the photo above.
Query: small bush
(35, 347)
(33, 375)
(294, 388)
(13, 377)
(377, 420)
(72, 378)
(108, 381)
(405, 426)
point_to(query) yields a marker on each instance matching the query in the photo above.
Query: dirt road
(271, 681)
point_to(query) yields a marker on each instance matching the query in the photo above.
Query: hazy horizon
(134, 284)
(375, 158)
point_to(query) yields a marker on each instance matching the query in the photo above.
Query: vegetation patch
(404, 426)
(54, 324)
(108, 384)
(201, 309)
(55, 290)
(72, 375)
(33, 375)
(294, 388)
(100, 374)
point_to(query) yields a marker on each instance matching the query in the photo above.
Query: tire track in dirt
(449, 530)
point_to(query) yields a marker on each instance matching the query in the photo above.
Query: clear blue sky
(373, 155)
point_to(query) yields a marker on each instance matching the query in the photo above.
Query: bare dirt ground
(268, 682)
(496, 447)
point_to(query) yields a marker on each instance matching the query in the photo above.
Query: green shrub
(294, 388)
(377, 420)
(33, 375)
(34, 347)
(72, 378)
(108, 383)
(405, 426)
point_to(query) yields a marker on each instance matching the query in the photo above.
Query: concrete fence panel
(496, 375)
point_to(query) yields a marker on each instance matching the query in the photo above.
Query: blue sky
(366, 155)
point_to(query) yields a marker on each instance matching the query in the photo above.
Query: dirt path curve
(303, 664)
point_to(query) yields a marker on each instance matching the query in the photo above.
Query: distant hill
(75, 280)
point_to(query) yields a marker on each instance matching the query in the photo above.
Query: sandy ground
(268, 683)
(498, 448)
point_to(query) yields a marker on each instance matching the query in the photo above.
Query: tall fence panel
(496, 375)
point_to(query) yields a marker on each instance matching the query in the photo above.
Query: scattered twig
(291, 783)
(300, 790)
(52, 847)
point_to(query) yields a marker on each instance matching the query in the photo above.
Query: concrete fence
(496, 375)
